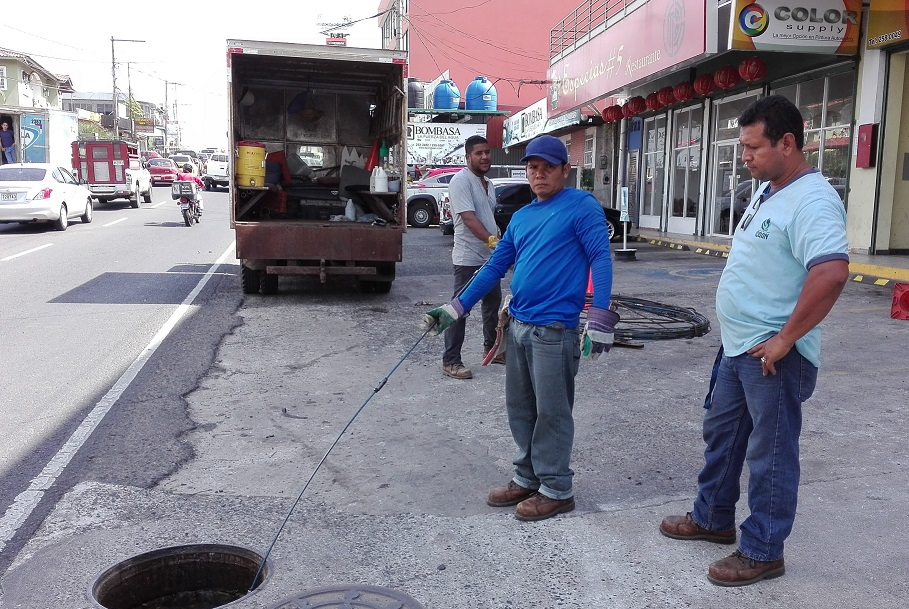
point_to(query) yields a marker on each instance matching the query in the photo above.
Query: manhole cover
(201, 576)
(350, 597)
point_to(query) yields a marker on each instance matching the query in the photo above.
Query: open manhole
(350, 597)
(201, 576)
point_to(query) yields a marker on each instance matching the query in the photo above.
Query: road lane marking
(34, 249)
(158, 204)
(26, 502)
(114, 222)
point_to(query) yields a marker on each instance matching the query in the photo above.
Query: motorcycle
(187, 196)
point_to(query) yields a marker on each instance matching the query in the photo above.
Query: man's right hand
(438, 320)
(492, 241)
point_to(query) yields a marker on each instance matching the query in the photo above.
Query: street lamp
(113, 70)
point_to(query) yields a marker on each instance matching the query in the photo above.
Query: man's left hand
(600, 329)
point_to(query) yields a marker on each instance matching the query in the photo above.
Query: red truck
(112, 169)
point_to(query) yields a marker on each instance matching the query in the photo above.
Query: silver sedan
(41, 192)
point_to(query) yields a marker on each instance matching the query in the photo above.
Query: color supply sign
(829, 27)
(888, 23)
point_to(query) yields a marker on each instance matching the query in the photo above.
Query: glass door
(653, 172)
(686, 170)
(732, 188)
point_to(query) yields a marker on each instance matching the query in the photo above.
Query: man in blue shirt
(788, 264)
(554, 243)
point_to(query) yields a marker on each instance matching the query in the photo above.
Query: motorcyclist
(187, 175)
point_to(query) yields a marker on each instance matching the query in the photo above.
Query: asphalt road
(214, 440)
(78, 307)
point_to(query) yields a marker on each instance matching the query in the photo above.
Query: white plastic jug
(381, 180)
(350, 211)
(372, 179)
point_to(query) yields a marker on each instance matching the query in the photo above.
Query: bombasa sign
(819, 26)
(439, 143)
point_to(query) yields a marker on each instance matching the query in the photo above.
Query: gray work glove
(599, 331)
(437, 320)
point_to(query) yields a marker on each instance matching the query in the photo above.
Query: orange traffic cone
(373, 159)
(900, 307)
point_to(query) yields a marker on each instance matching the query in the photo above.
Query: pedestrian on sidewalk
(473, 200)
(554, 243)
(7, 142)
(787, 266)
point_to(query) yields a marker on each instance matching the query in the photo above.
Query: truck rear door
(102, 162)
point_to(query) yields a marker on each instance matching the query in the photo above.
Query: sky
(74, 39)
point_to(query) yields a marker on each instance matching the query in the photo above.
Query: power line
(39, 37)
(473, 37)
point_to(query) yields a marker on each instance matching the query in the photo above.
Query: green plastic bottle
(383, 154)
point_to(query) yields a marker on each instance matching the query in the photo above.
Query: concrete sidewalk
(881, 270)
(400, 502)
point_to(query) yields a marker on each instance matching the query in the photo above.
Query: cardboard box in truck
(315, 113)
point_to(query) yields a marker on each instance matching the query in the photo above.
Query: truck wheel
(207, 184)
(134, 198)
(250, 280)
(269, 283)
(419, 215)
(147, 196)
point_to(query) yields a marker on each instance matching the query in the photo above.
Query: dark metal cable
(375, 390)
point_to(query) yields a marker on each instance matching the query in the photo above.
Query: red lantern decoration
(653, 102)
(704, 84)
(627, 111)
(612, 114)
(665, 96)
(726, 78)
(752, 69)
(683, 91)
(638, 104)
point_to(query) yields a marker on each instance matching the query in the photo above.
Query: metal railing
(590, 15)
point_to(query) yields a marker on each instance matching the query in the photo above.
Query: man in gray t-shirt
(473, 199)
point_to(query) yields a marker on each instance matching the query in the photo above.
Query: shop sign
(654, 37)
(439, 143)
(828, 27)
(526, 124)
(888, 23)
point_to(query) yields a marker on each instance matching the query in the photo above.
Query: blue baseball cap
(548, 148)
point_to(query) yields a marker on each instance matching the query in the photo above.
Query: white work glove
(598, 332)
(437, 320)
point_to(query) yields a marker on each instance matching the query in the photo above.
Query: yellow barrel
(250, 163)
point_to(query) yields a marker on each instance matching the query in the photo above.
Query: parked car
(424, 198)
(217, 171)
(511, 195)
(41, 192)
(185, 159)
(162, 171)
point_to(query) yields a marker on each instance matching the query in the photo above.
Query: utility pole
(113, 71)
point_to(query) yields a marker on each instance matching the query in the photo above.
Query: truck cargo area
(318, 113)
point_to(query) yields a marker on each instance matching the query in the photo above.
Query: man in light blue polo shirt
(788, 264)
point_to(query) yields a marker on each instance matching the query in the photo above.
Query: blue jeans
(539, 397)
(9, 154)
(757, 420)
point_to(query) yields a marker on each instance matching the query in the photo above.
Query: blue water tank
(481, 95)
(446, 96)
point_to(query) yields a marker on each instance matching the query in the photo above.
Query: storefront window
(827, 107)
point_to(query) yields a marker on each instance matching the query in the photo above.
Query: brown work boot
(541, 507)
(457, 371)
(739, 570)
(512, 494)
(684, 527)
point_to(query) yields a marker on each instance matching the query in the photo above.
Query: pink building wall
(504, 40)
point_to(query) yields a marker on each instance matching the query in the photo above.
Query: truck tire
(208, 184)
(250, 280)
(134, 198)
(147, 195)
(419, 213)
(269, 283)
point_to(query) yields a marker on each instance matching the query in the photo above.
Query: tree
(135, 110)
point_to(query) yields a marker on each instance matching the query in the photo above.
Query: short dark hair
(779, 115)
(472, 142)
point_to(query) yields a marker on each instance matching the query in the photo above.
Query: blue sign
(34, 141)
